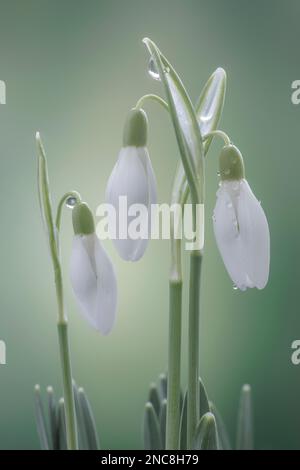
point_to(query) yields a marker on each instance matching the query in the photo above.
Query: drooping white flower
(240, 225)
(92, 274)
(132, 178)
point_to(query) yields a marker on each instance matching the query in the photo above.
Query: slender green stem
(217, 133)
(65, 358)
(174, 360)
(62, 328)
(71, 194)
(53, 239)
(193, 351)
(151, 97)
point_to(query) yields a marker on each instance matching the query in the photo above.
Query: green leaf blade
(245, 440)
(90, 425)
(206, 437)
(224, 441)
(41, 422)
(151, 429)
(184, 121)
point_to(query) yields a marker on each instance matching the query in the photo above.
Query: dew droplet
(235, 287)
(229, 205)
(218, 173)
(153, 70)
(71, 202)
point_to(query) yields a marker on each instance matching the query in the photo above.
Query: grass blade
(203, 398)
(41, 423)
(224, 441)
(52, 418)
(152, 435)
(183, 424)
(89, 420)
(245, 421)
(62, 432)
(206, 437)
(163, 422)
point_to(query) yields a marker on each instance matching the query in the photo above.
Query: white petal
(94, 282)
(254, 232)
(227, 237)
(242, 235)
(132, 177)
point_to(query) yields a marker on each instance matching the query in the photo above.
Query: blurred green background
(72, 70)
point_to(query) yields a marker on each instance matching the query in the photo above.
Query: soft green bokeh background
(72, 70)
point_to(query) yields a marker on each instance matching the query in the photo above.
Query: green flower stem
(152, 97)
(193, 349)
(217, 133)
(62, 328)
(53, 234)
(63, 337)
(174, 362)
(70, 194)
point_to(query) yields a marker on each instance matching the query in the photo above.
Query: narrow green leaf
(52, 418)
(183, 424)
(206, 437)
(44, 191)
(90, 425)
(82, 435)
(208, 112)
(41, 423)
(245, 421)
(163, 422)
(62, 433)
(152, 435)
(203, 400)
(223, 436)
(153, 397)
(184, 120)
(163, 386)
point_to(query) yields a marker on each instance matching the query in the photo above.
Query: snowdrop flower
(240, 225)
(92, 274)
(133, 178)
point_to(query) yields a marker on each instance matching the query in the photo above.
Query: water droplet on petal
(229, 205)
(71, 202)
(153, 70)
(235, 287)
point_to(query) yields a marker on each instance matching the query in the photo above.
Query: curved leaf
(88, 417)
(208, 111)
(224, 441)
(154, 398)
(206, 437)
(152, 435)
(184, 120)
(203, 400)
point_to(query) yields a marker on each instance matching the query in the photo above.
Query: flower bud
(231, 164)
